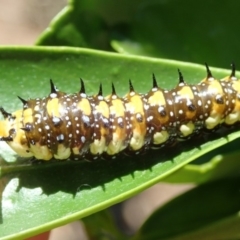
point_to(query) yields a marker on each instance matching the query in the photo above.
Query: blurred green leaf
(102, 226)
(224, 163)
(193, 31)
(210, 211)
(87, 23)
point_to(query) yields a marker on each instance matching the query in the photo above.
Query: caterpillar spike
(81, 126)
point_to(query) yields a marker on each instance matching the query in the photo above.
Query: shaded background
(22, 21)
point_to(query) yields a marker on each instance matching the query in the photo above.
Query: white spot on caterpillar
(86, 119)
(139, 117)
(160, 109)
(83, 139)
(146, 106)
(36, 108)
(53, 95)
(60, 137)
(119, 120)
(56, 120)
(105, 120)
(180, 111)
(149, 118)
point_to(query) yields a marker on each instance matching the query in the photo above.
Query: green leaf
(101, 225)
(36, 198)
(185, 30)
(222, 165)
(210, 211)
(87, 23)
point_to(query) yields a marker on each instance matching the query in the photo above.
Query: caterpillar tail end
(4, 135)
(12, 134)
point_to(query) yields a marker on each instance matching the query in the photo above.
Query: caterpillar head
(11, 131)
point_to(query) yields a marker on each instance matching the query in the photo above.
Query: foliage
(72, 190)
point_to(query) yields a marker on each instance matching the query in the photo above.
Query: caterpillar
(62, 125)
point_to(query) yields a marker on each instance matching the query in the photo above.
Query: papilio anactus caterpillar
(79, 126)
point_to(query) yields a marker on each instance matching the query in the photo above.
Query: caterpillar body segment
(76, 125)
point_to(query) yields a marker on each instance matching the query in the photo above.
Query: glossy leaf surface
(71, 190)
